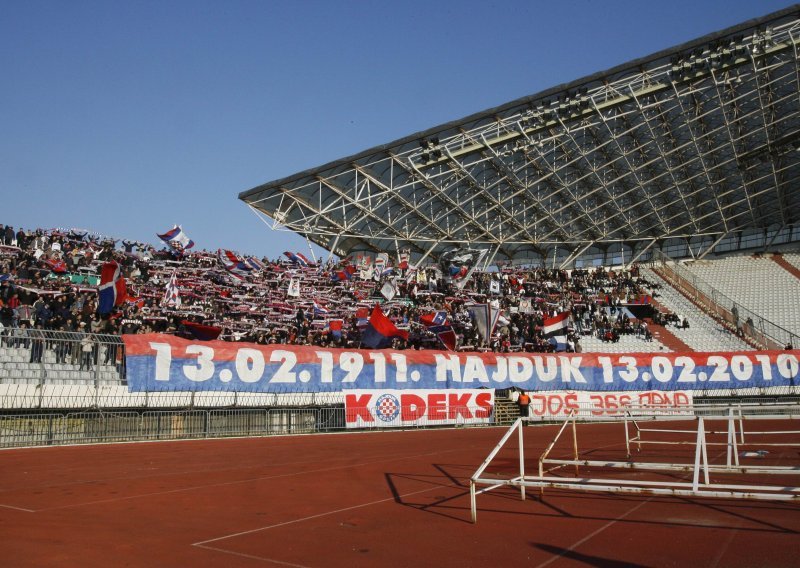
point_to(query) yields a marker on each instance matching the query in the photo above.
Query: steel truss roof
(699, 140)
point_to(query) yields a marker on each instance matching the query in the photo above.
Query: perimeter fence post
(575, 442)
(521, 460)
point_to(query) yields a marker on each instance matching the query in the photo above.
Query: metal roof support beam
(775, 236)
(490, 259)
(639, 254)
(711, 247)
(575, 254)
(311, 250)
(333, 248)
(427, 254)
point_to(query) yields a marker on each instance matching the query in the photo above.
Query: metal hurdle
(736, 416)
(700, 485)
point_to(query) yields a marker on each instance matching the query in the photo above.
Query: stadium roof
(700, 140)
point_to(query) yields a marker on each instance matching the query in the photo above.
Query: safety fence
(36, 356)
(96, 426)
(88, 427)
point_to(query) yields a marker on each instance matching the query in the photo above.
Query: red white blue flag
(233, 264)
(177, 239)
(112, 291)
(320, 309)
(380, 330)
(297, 258)
(555, 329)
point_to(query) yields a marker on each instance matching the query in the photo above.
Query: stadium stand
(702, 333)
(49, 305)
(756, 282)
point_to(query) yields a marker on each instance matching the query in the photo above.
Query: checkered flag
(172, 297)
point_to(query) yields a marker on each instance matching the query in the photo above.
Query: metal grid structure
(700, 142)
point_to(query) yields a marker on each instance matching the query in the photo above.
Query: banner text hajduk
(158, 362)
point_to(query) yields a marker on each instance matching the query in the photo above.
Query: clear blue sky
(127, 117)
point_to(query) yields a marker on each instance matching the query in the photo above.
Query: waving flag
(57, 265)
(233, 264)
(320, 309)
(446, 335)
(297, 258)
(294, 288)
(112, 291)
(402, 263)
(172, 297)
(485, 318)
(380, 331)
(362, 317)
(335, 327)
(555, 330)
(434, 318)
(459, 264)
(381, 262)
(436, 322)
(254, 263)
(177, 239)
(346, 274)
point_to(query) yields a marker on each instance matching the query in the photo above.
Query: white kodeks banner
(393, 408)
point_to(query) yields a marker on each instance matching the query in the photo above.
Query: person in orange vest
(523, 402)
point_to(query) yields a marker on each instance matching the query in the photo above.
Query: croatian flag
(297, 258)
(177, 239)
(112, 291)
(555, 330)
(380, 331)
(233, 264)
(320, 310)
(254, 263)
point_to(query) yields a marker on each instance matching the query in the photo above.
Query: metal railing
(745, 322)
(90, 426)
(96, 426)
(40, 356)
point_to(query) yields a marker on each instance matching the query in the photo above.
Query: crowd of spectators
(50, 277)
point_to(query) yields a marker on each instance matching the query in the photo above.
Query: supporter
(257, 308)
(87, 346)
(37, 343)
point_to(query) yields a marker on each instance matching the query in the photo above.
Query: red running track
(379, 499)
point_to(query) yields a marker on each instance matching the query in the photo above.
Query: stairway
(665, 336)
(786, 265)
(505, 411)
